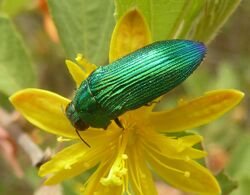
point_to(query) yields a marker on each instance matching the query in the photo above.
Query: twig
(35, 154)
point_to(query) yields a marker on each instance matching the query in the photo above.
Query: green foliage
(12, 7)
(16, 71)
(84, 26)
(226, 183)
(239, 166)
(213, 15)
(244, 188)
(226, 77)
(161, 15)
(205, 80)
(4, 102)
(193, 19)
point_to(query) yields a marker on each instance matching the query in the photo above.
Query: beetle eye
(70, 110)
(80, 125)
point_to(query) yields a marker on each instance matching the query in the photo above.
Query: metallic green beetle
(133, 81)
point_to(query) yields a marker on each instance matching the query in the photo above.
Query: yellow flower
(125, 157)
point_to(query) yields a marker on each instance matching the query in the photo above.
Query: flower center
(118, 173)
(133, 128)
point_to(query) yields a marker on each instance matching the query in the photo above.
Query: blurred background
(227, 140)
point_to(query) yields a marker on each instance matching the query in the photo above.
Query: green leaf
(84, 26)
(239, 165)
(12, 7)
(213, 15)
(186, 21)
(204, 80)
(4, 102)
(226, 183)
(242, 152)
(200, 81)
(227, 78)
(193, 19)
(244, 188)
(162, 16)
(240, 158)
(16, 71)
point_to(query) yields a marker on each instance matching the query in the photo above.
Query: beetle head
(75, 118)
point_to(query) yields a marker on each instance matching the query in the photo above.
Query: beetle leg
(118, 122)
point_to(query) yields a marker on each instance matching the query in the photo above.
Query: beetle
(133, 81)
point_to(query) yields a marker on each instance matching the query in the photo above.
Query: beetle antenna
(118, 122)
(77, 132)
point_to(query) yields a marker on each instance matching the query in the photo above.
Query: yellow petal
(76, 72)
(186, 175)
(191, 140)
(179, 148)
(197, 112)
(70, 162)
(64, 159)
(140, 176)
(45, 110)
(131, 33)
(100, 137)
(78, 158)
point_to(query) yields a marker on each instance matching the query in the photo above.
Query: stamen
(62, 139)
(187, 158)
(118, 173)
(80, 60)
(181, 102)
(85, 164)
(124, 156)
(180, 146)
(82, 189)
(67, 166)
(84, 63)
(143, 176)
(185, 173)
